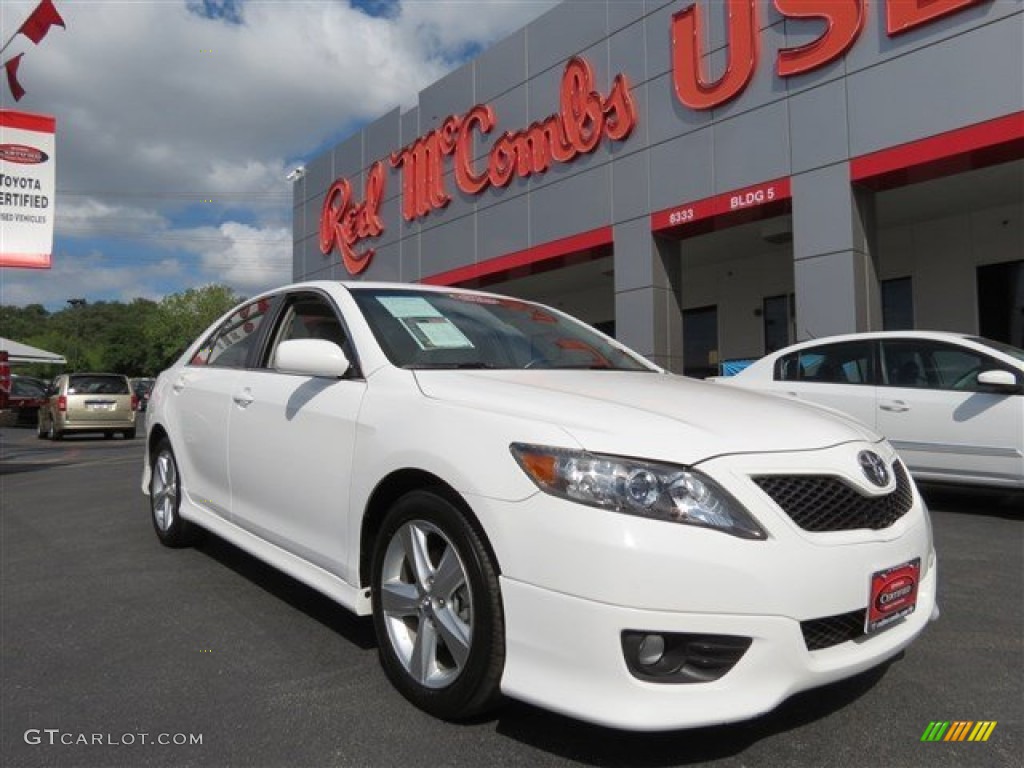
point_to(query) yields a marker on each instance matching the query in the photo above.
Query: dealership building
(706, 181)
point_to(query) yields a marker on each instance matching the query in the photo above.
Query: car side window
(309, 316)
(930, 364)
(847, 362)
(228, 346)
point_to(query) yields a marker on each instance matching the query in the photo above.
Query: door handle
(896, 406)
(244, 398)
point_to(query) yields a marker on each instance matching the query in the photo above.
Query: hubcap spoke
(449, 575)
(455, 634)
(399, 600)
(414, 545)
(423, 663)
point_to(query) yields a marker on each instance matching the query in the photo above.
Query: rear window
(97, 384)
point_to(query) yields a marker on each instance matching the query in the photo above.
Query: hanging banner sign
(27, 189)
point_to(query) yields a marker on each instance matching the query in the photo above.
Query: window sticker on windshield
(402, 307)
(436, 333)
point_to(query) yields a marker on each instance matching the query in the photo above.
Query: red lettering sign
(903, 15)
(688, 76)
(843, 22)
(343, 222)
(583, 120)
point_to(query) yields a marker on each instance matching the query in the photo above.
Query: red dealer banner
(27, 189)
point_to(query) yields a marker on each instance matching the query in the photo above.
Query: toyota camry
(527, 508)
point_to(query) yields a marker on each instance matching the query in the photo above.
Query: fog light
(681, 657)
(651, 649)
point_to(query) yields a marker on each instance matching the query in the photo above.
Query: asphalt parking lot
(113, 645)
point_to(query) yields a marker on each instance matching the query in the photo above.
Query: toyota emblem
(874, 468)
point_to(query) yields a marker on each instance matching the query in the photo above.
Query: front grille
(826, 503)
(832, 630)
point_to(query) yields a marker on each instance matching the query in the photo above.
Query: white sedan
(528, 508)
(952, 405)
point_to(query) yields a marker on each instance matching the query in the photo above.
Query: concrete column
(834, 269)
(648, 316)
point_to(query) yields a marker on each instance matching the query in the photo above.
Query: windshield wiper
(449, 366)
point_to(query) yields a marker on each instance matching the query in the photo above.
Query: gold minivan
(88, 402)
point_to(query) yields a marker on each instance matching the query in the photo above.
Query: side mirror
(998, 379)
(311, 357)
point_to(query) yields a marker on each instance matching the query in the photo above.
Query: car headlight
(642, 488)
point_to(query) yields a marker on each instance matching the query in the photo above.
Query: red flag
(11, 65)
(38, 24)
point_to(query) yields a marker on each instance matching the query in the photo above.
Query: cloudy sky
(177, 121)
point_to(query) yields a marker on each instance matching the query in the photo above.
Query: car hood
(650, 415)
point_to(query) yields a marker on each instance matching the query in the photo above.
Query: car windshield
(431, 329)
(1006, 349)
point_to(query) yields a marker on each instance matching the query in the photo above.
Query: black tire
(165, 499)
(54, 433)
(409, 609)
(129, 434)
(40, 432)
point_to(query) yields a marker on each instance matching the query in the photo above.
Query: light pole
(75, 305)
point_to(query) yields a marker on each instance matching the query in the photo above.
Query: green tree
(179, 319)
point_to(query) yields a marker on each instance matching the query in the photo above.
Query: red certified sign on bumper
(893, 594)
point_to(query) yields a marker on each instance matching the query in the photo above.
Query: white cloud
(158, 108)
(246, 258)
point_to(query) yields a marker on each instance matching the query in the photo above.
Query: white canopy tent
(23, 353)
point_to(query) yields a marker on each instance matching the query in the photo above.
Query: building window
(897, 304)
(777, 316)
(1001, 302)
(700, 342)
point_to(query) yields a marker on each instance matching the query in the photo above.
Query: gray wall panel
(410, 125)
(822, 311)
(382, 137)
(627, 54)
(818, 125)
(630, 195)
(348, 156)
(410, 255)
(822, 211)
(501, 67)
(503, 228)
(658, 26)
(577, 204)
(319, 176)
(684, 170)
(387, 263)
(875, 46)
(751, 148)
(667, 118)
(451, 95)
(311, 217)
(571, 26)
(622, 13)
(910, 97)
(448, 247)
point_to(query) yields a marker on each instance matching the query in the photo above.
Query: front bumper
(575, 578)
(564, 653)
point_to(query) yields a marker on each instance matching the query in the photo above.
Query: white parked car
(527, 507)
(952, 405)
